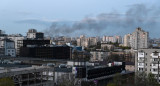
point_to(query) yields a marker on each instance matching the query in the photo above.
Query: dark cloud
(138, 15)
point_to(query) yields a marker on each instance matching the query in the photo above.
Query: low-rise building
(130, 66)
(98, 55)
(106, 46)
(28, 76)
(7, 48)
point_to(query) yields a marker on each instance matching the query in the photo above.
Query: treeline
(139, 79)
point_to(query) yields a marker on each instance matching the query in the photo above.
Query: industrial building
(31, 42)
(54, 52)
(28, 76)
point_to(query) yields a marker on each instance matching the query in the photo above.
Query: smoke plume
(112, 23)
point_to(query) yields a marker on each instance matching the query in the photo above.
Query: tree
(85, 83)
(111, 84)
(142, 79)
(118, 79)
(6, 82)
(139, 79)
(151, 80)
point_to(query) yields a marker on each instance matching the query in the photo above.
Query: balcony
(140, 66)
(140, 61)
(155, 65)
(154, 72)
(155, 55)
(140, 54)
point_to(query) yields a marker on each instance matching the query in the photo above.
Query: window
(155, 70)
(141, 64)
(145, 69)
(154, 64)
(140, 69)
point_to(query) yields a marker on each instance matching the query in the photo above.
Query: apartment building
(139, 39)
(127, 40)
(7, 48)
(98, 55)
(147, 60)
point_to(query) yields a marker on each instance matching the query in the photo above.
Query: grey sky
(17, 16)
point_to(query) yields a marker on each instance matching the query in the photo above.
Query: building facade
(31, 42)
(112, 39)
(86, 42)
(98, 55)
(146, 60)
(139, 39)
(55, 52)
(127, 40)
(33, 34)
(7, 48)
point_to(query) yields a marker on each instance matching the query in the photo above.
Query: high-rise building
(82, 41)
(139, 39)
(118, 39)
(127, 40)
(92, 41)
(86, 42)
(147, 60)
(112, 39)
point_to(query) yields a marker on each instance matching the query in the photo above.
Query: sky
(76, 17)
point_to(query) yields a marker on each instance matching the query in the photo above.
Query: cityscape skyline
(79, 43)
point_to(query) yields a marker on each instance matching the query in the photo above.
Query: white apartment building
(112, 39)
(139, 39)
(147, 61)
(127, 40)
(86, 42)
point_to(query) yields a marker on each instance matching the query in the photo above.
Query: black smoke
(112, 23)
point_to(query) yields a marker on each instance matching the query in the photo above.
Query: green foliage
(142, 79)
(6, 82)
(84, 83)
(111, 84)
(117, 79)
(116, 44)
(139, 79)
(124, 47)
(151, 80)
